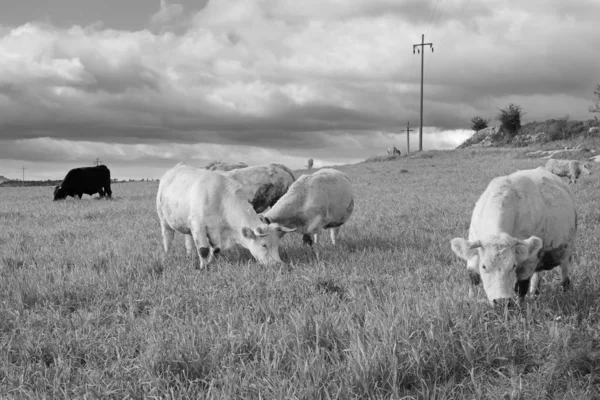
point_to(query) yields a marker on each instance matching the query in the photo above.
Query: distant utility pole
(23, 168)
(422, 51)
(97, 162)
(408, 130)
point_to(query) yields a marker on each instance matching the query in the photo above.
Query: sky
(143, 84)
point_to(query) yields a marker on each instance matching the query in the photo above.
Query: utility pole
(97, 162)
(422, 51)
(408, 130)
(23, 168)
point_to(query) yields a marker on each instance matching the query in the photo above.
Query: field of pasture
(89, 308)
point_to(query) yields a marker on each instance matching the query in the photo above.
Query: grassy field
(88, 308)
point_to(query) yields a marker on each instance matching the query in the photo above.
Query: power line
(440, 13)
(422, 51)
(432, 15)
(408, 130)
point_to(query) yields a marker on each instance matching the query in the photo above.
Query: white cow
(393, 151)
(212, 211)
(322, 200)
(568, 168)
(263, 185)
(523, 223)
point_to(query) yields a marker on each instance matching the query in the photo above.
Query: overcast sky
(143, 85)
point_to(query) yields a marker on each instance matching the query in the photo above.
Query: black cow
(88, 180)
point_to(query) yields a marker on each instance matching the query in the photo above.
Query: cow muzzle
(505, 303)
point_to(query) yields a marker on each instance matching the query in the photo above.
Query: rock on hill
(531, 133)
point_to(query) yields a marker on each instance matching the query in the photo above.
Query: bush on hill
(510, 118)
(478, 123)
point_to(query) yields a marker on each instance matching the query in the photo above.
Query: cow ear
(463, 248)
(528, 248)
(248, 233)
(264, 220)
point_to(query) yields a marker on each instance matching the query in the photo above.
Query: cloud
(316, 78)
(131, 160)
(169, 17)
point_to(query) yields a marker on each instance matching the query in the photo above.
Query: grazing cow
(220, 166)
(522, 224)
(213, 212)
(88, 180)
(309, 164)
(263, 185)
(322, 200)
(568, 168)
(393, 151)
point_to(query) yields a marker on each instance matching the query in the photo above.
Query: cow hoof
(566, 284)
(202, 267)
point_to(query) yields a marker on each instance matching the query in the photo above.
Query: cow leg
(564, 273)
(215, 245)
(522, 287)
(307, 239)
(313, 229)
(536, 279)
(189, 245)
(108, 191)
(101, 192)
(334, 234)
(167, 234)
(202, 245)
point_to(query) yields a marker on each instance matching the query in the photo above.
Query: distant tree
(510, 118)
(596, 107)
(478, 123)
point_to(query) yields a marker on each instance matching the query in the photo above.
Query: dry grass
(90, 310)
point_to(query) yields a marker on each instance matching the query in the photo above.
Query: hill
(3, 179)
(532, 133)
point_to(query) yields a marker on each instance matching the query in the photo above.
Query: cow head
(586, 168)
(59, 193)
(279, 229)
(263, 242)
(500, 261)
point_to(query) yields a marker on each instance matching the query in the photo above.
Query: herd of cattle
(523, 223)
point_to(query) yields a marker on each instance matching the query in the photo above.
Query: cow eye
(483, 266)
(264, 245)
